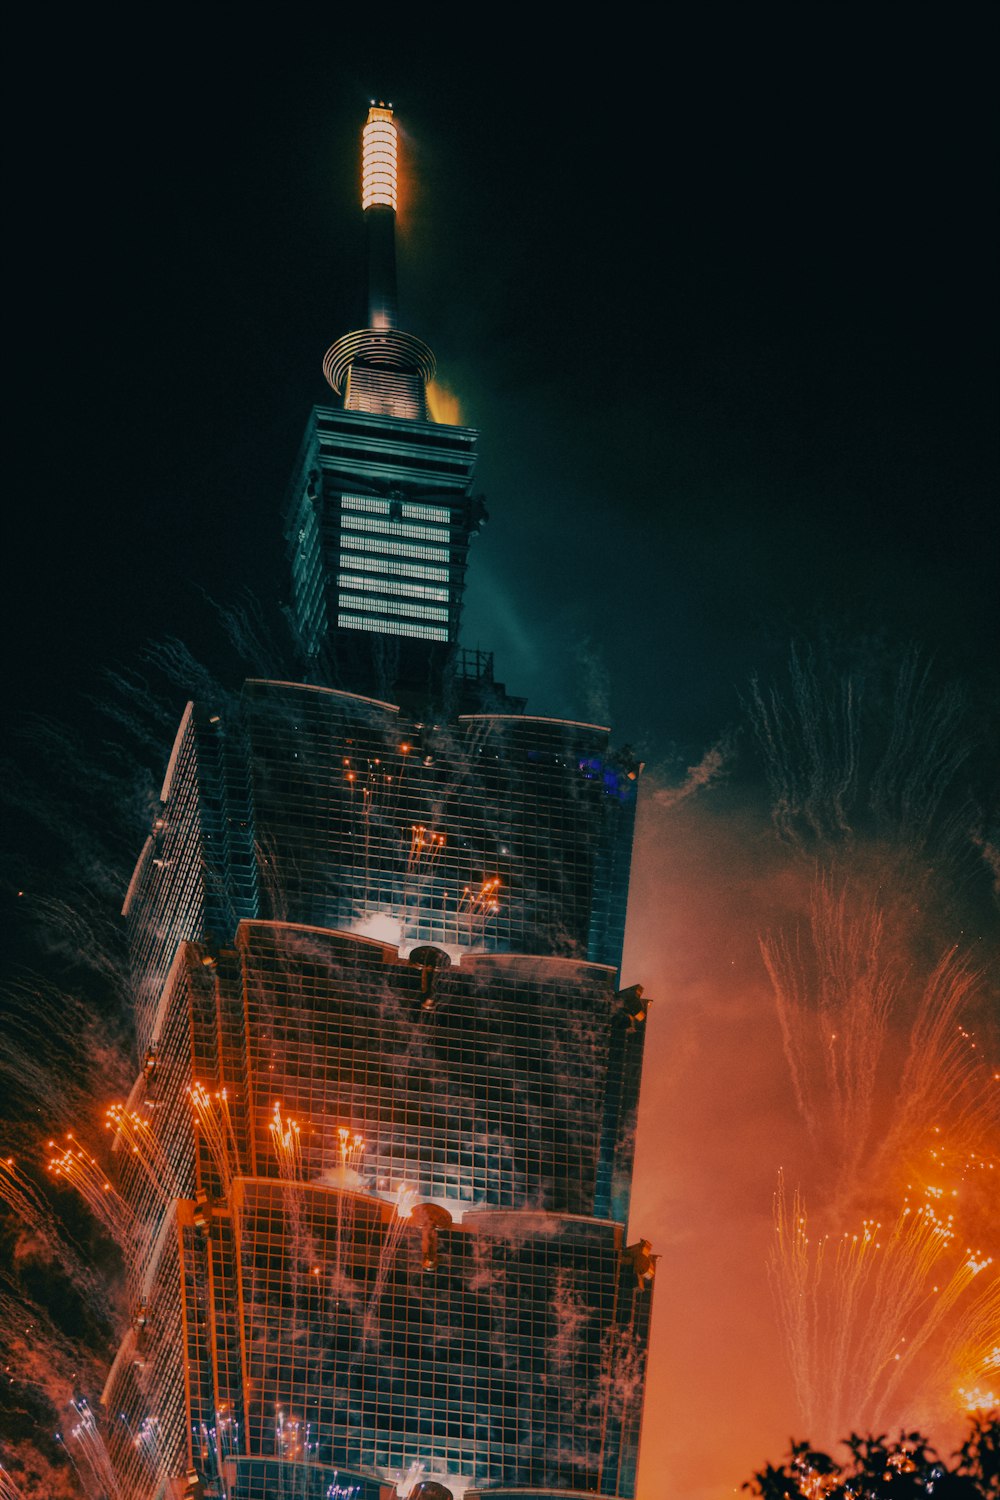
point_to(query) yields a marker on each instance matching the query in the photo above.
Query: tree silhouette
(907, 1469)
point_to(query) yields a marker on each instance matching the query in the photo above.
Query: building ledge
(539, 719)
(311, 687)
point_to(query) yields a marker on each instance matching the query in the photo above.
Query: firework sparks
(76, 1166)
(86, 1434)
(137, 1134)
(886, 1073)
(351, 1148)
(406, 1198)
(214, 1120)
(425, 849)
(287, 1142)
(859, 1311)
(8, 1489)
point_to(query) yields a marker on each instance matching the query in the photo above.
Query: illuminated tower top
(380, 369)
(381, 510)
(379, 177)
(378, 164)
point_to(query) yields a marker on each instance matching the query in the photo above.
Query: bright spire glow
(378, 161)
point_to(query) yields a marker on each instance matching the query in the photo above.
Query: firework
(834, 1002)
(287, 1143)
(76, 1166)
(899, 1313)
(8, 1489)
(136, 1133)
(351, 1148)
(213, 1119)
(406, 1198)
(87, 1436)
(862, 1311)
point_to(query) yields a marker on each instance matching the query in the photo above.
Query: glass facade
(375, 1167)
(492, 832)
(375, 499)
(386, 954)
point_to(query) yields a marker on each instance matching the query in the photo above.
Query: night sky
(721, 300)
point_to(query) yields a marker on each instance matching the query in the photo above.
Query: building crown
(380, 369)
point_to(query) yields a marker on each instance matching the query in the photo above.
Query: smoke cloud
(815, 936)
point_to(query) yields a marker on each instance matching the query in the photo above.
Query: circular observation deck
(385, 349)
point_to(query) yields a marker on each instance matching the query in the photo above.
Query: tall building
(375, 1167)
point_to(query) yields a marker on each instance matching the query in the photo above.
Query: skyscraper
(375, 1167)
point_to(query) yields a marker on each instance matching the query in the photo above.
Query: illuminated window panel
(412, 512)
(393, 607)
(392, 627)
(398, 569)
(396, 528)
(369, 503)
(394, 549)
(385, 586)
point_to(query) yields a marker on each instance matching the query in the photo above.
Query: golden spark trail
(940, 1077)
(22, 1196)
(86, 1433)
(140, 1139)
(287, 1143)
(351, 1150)
(834, 1002)
(8, 1489)
(882, 1062)
(425, 849)
(406, 1197)
(214, 1121)
(857, 1312)
(76, 1166)
(478, 906)
(974, 1351)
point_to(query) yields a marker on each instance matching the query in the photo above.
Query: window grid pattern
(200, 870)
(393, 586)
(268, 1479)
(393, 568)
(380, 605)
(510, 1359)
(168, 903)
(354, 524)
(481, 1084)
(384, 626)
(496, 1327)
(391, 549)
(490, 835)
(375, 488)
(151, 1177)
(397, 607)
(146, 1390)
(308, 592)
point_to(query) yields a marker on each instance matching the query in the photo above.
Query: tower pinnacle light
(378, 199)
(380, 369)
(378, 161)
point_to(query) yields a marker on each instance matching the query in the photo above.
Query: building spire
(379, 158)
(379, 369)
(378, 200)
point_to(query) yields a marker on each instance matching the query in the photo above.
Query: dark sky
(720, 297)
(721, 302)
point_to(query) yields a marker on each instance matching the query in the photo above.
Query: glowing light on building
(378, 163)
